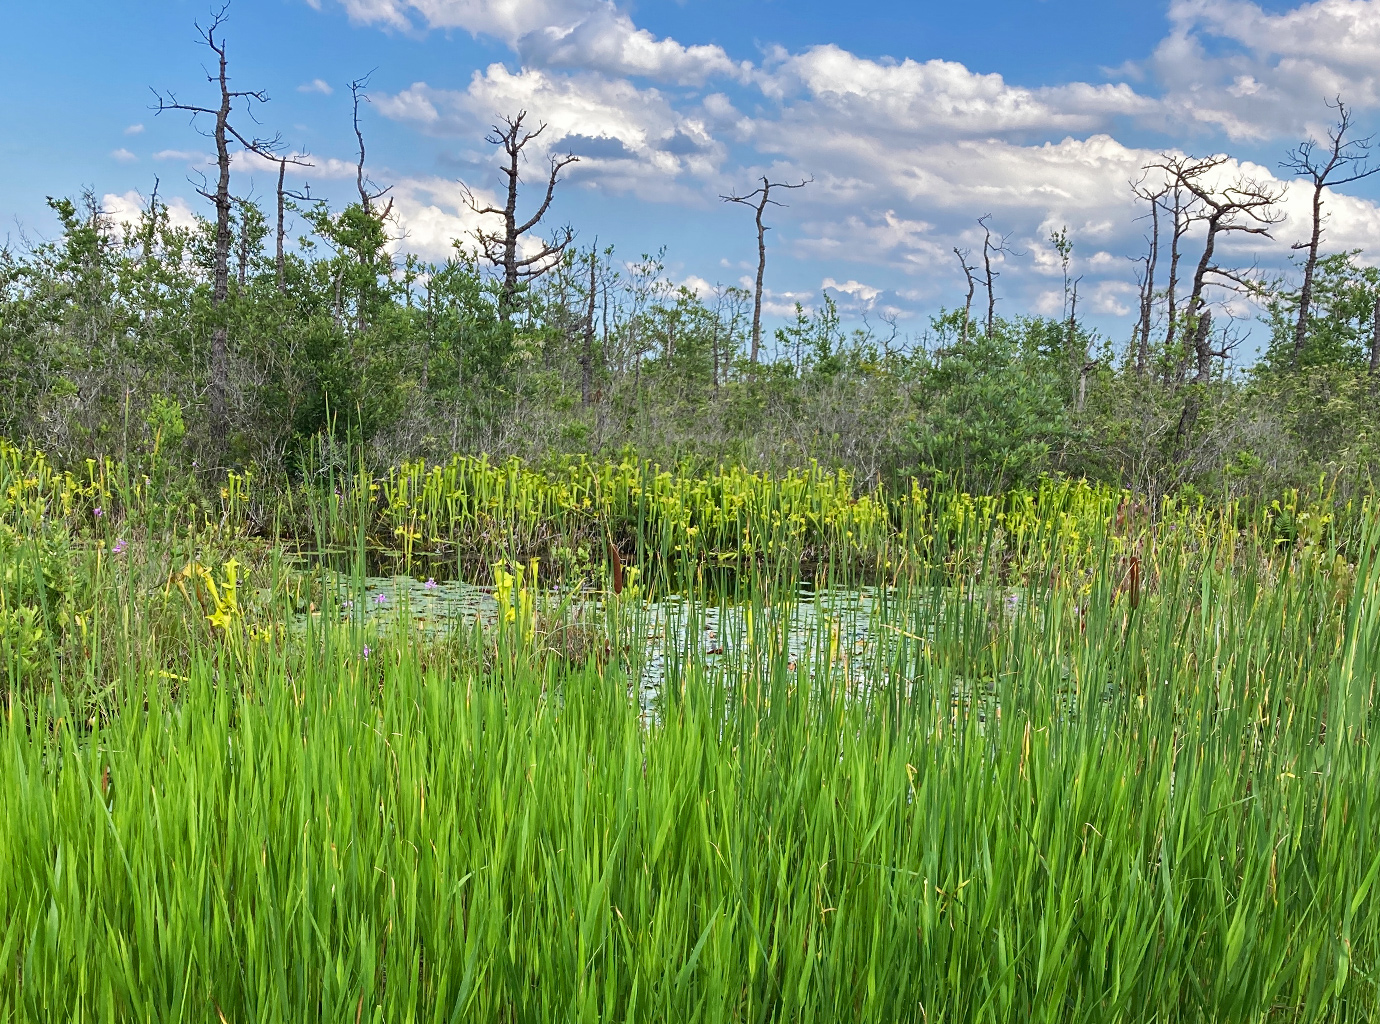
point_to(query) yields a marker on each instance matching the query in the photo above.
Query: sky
(911, 120)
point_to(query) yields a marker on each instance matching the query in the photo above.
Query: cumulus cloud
(634, 138)
(591, 35)
(827, 84)
(134, 129)
(864, 293)
(128, 208)
(316, 85)
(123, 155)
(433, 216)
(605, 39)
(1252, 74)
(905, 154)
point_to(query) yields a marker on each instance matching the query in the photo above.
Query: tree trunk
(1171, 295)
(1200, 319)
(587, 356)
(220, 285)
(1375, 339)
(991, 293)
(1147, 298)
(1310, 266)
(278, 259)
(761, 275)
(714, 356)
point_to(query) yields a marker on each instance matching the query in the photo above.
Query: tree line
(229, 343)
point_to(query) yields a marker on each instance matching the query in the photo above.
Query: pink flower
(119, 548)
(430, 584)
(99, 511)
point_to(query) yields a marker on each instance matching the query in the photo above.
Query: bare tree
(1375, 340)
(1340, 162)
(1154, 196)
(284, 194)
(1182, 209)
(1244, 206)
(968, 272)
(990, 248)
(730, 306)
(502, 249)
(759, 199)
(587, 353)
(369, 193)
(224, 134)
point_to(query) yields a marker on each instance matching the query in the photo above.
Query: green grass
(1101, 801)
(1075, 810)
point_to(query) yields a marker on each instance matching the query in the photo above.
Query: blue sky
(913, 119)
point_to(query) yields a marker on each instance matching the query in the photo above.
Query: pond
(846, 633)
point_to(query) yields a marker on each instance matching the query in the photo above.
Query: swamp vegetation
(1072, 758)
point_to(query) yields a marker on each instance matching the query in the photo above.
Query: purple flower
(367, 651)
(119, 548)
(380, 599)
(99, 512)
(430, 584)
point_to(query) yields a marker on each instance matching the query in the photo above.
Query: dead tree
(501, 249)
(369, 193)
(279, 259)
(1340, 162)
(1244, 206)
(1182, 210)
(989, 249)
(1154, 196)
(759, 199)
(968, 272)
(1375, 339)
(587, 353)
(224, 134)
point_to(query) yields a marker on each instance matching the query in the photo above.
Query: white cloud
(827, 84)
(309, 167)
(128, 208)
(1231, 66)
(584, 34)
(697, 284)
(864, 293)
(905, 154)
(606, 40)
(316, 85)
(629, 139)
(187, 156)
(134, 129)
(433, 215)
(123, 155)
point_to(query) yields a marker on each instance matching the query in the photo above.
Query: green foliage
(106, 328)
(992, 408)
(1341, 320)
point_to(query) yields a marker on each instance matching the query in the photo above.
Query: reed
(1030, 790)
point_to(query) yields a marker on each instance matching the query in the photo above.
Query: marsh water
(848, 634)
